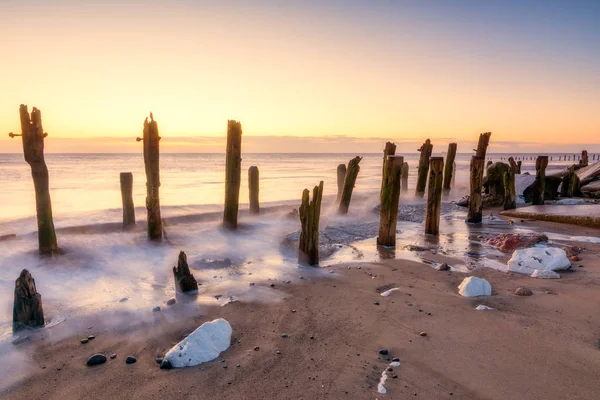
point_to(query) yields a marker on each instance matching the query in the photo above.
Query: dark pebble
(383, 352)
(171, 301)
(130, 360)
(84, 341)
(580, 266)
(166, 364)
(423, 333)
(159, 361)
(91, 337)
(96, 359)
(272, 285)
(256, 348)
(155, 309)
(376, 303)
(395, 359)
(284, 335)
(394, 376)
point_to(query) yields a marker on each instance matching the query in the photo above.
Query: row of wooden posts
(394, 179)
(583, 158)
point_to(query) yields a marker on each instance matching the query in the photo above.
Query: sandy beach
(544, 346)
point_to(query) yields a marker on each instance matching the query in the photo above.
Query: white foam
(526, 261)
(388, 292)
(473, 286)
(202, 345)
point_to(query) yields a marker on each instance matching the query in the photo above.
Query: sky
(320, 75)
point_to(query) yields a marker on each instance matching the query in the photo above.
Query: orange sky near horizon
(96, 70)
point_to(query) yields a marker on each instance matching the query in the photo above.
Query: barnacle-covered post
(310, 212)
(151, 140)
(33, 136)
(233, 171)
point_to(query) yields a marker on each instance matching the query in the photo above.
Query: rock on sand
(526, 261)
(202, 345)
(544, 274)
(473, 286)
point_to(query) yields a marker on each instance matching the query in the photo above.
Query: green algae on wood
(475, 211)
(349, 182)
(233, 165)
(151, 141)
(426, 150)
(449, 168)
(309, 213)
(389, 199)
(434, 196)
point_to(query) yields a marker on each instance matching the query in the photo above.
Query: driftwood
(253, 190)
(233, 170)
(423, 171)
(449, 169)
(475, 213)
(540, 180)
(482, 145)
(27, 309)
(389, 199)
(510, 192)
(184, 280)
(310, 212)
(151, 161)
(341, 175)
(349, 182)
(434, 196)
(405, 177)
(33, 136)
(127, 199)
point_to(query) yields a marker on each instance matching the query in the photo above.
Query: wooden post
(519, 164)
(233, 165)
(510, 196)
(570, 184)
(425, 150)
(389, 150)
(127, 199)
(405, 177)
(539, 186)
(475, 213)
(389, 199)
(184, 280)
(584, 159)
(151, 161)
(341, 175)
(453, 174)
(27, 308)
(253, 189)
(434, 196)
(515, 167)
(449, 169)
(33, 136)
(487, 165)
(349, 181)
(484, 141)
(310, 212)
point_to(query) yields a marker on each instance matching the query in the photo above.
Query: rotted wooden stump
(475, 211)
(33, 135)
(151, 141)
(184, 280)
(510, 197)
(405, 177)
(584, 160)
(389, 150)
(434, 196)
(539, 186)
(127, 199)
(233, 170)
(426, 150)
(389, 199)
(519, 165)
(449, 168)
(310, 212)
(349, 182)
(27, 309)
(341, 175)
(482, 145)
(514, 166)
(253, 190)
(570, 185)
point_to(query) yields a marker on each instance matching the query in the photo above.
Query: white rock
(544, 274)
(526, 261)
(473, 286)
(481, 307)
(202, 345)
(388, 292)
(570, 202)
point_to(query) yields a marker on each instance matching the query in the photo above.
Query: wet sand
(539, 347)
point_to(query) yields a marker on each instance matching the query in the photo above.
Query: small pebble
(284, 335)
(155, 309)
(376, 303)
(395, 359)
(84, 341)
(130, 360)
(256, 348)
(293, 310)
(91, 337)
(166, 364)
(272, 285)
(423, 333)
(238, 365)
(394, 376)
(278, 352)
(580, 266)
(384, 352)
(96, 359)
(113, 356)
(409, 304)
(159, 361)
(171, 301)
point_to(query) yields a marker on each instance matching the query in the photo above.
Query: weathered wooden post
(519, 164)
(475, 213)
(184, 280)
(449, 169)
(389, 150)
(127, 199)
(510, 196)
(570, 184)
(484, 141)
(487, 165)
(33, 136)
(310, 212)
(515, 167)
(584, 161)
(341, 175)
(453, 174)
(233, 165)
(426, 150)
(253, 189)
(405, 177)
(151, 161)
(539, 186)
(434, 196)
(27, 308)
(349, 181)
(389, 199)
